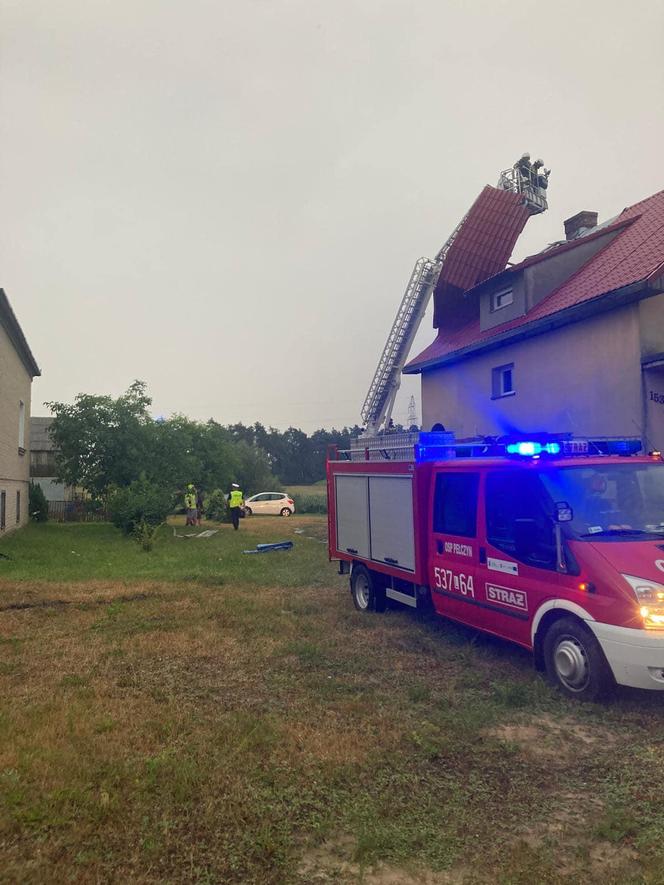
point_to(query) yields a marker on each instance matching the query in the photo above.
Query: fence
(75, 511)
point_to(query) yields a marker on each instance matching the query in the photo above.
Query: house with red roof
(568, 340)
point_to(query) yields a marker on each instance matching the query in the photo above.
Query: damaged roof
(635, 255)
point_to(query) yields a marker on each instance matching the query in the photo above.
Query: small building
(17, 369)
(42, 462)
(568, 340)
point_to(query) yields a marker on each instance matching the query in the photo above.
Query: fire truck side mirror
(564, 512)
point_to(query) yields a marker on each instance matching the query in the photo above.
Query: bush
(38, 505)
(140, 503)
(215, 506)
(311, 504)
(145, 534)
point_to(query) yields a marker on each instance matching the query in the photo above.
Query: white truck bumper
(636, 657)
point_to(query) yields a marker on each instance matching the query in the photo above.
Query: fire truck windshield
(611, 501)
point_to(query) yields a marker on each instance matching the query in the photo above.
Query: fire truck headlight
(650, 595)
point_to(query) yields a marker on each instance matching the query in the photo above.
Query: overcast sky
(226, 199)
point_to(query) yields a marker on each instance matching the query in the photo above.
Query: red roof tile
(635, 254)
(483, 243)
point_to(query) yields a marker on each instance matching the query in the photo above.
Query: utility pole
(412, 413)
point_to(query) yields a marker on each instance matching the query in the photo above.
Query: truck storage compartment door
(352, 509)
(391, 521)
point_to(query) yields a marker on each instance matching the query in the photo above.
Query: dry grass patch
(256, 729)
(556, 741)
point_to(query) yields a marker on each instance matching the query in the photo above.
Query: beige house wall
(651, 326)
(584, 378)
(653, 397)
(15, 386)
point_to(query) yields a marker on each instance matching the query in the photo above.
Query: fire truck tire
(368, 595)
(575, 662)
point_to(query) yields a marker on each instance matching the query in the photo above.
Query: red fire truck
(553, 542)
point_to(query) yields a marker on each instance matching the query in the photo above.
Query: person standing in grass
(235, 503)
(190, 504)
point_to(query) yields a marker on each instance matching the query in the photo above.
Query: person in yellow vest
(190, 504)
(235, 504)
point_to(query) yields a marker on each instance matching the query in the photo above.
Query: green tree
(102, 442)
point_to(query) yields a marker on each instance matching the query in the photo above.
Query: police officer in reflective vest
(235, 504)
(190, 504)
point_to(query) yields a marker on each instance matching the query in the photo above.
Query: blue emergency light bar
(439, 446)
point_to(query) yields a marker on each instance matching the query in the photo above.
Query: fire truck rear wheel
(575, 662)
(368, 595)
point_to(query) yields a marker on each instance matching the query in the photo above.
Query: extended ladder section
(379, 401)
(387, 378)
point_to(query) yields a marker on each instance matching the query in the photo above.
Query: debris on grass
(268, 548)
(206, 534)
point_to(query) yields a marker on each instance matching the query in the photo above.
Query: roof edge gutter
(16, 336)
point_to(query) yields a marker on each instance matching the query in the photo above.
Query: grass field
(199, 715)
(317, 488)
(311, 498)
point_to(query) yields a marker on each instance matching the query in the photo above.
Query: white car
(269, 503)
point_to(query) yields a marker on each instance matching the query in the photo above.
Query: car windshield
(611, 501)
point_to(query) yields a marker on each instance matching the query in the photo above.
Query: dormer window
(501, 298)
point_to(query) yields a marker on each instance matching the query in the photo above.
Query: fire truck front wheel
(367, 594)
(575, 662)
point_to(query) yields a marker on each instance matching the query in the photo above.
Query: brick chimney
(577, 223)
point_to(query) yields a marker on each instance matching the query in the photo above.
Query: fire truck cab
(552, 542)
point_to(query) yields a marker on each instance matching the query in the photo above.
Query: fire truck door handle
(439, 547)
(391, 561)
(483, 555)
(351, 550)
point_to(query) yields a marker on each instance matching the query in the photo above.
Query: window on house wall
(18, 507)
(21, 425)
(502, 381)
(501, 298)
(3, 510)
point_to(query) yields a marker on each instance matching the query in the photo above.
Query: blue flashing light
(530, 448)
(524, 448)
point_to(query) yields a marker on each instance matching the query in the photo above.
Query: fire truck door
(454, 549)
(517, 568)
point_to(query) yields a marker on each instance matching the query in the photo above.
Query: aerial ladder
(522, 178)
